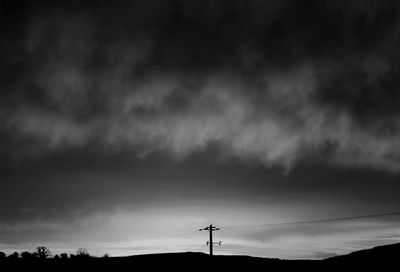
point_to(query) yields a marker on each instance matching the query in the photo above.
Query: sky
(126, 126)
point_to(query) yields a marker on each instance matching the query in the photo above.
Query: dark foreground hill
(380, 258)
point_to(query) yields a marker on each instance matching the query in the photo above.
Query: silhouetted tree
(14, 255)
(64, 256)
(56, 257)
(106, 255)
(2, 255)
(43, 252)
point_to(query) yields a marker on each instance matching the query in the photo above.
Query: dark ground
(383, 258)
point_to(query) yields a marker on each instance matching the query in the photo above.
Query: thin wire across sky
(327, 220)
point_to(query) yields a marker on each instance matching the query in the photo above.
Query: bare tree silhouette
(43, 252)
(82, 252)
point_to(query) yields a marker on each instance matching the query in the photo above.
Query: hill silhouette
(375, 258)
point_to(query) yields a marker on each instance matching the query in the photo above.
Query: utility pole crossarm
(211, 228)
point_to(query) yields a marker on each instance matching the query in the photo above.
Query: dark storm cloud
(272, 81)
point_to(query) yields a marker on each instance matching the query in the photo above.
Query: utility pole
(210, 229)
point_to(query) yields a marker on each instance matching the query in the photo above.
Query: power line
(318, 220)
(212, 228)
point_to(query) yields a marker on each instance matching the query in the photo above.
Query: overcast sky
(125, 126)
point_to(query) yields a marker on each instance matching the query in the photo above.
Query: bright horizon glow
(275, 241)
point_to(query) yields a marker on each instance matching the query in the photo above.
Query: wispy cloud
(146, 86)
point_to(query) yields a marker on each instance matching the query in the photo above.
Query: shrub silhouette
(64, 256)
(2, 255)
(14, 255)
(27, 255)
